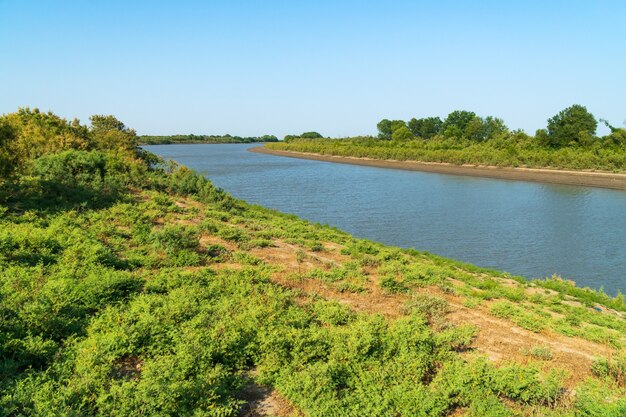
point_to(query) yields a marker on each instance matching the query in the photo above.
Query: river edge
(551, 176)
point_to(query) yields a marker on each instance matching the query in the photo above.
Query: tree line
(573, 126)
(305, 135)
(191, 138)
(569, 141)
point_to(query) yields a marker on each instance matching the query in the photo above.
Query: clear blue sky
(337, 67)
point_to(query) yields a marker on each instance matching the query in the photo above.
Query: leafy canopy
(574, 124)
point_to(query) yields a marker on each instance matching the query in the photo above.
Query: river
(528, 229)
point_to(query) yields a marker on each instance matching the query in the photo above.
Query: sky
(337, 67)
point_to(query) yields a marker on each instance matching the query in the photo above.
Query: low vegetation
(130, 286)
(187, 139)
(568, 142)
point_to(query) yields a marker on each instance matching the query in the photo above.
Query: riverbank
(552, 176)
(143, 289)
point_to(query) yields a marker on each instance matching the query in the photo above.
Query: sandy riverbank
(553, 176)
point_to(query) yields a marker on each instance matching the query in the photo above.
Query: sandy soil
(554, 176)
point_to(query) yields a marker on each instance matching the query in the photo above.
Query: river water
(528, 229)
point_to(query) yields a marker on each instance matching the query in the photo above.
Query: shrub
(433, 308)
(614, 368)
(174, 238)
(391, 285)
(539, 352)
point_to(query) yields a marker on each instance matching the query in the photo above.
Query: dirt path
(264, 402)
(554, 176)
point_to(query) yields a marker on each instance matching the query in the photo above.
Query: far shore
(552, 176)
(200, 143)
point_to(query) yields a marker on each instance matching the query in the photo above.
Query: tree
(571, 125)
(494, 126)
(386, 128)
(110, 133)
(425, 128)
(458, 119)
(311, 135)
(401, 133)
(102, 123)
(475, 130)
(28, 134)
(479, 129)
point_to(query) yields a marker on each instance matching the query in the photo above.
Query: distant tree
(425, 128)
(402, 133)
(494, 127)
(311, 135)
(384, 129)
(572, 125)
(475, 130)
(387, 127)
(479, 129)
(458, 119)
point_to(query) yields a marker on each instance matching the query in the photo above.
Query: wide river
(529, 229)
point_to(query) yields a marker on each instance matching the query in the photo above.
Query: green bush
(174, 238)
(613, 368)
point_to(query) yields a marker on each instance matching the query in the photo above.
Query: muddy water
(529, 229)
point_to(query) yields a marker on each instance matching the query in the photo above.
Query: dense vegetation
(569, 141)
(166, 140)
(305, 135)
(130, 286)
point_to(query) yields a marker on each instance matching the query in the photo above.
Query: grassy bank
(568, 142)
(523, 152)
(133, 287)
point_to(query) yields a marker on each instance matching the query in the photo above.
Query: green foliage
(540, 352)
(402, 133)
(305, 135)
(465, 138)
(29, 134)
(391, 285)
(387, 128)
(585, 295)
(518, 315)
(433, 308)
(425, 128)
(310, 135)
(123, 308)
(613, 368)
(175, 237)
(574, 124)
(457, 121)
